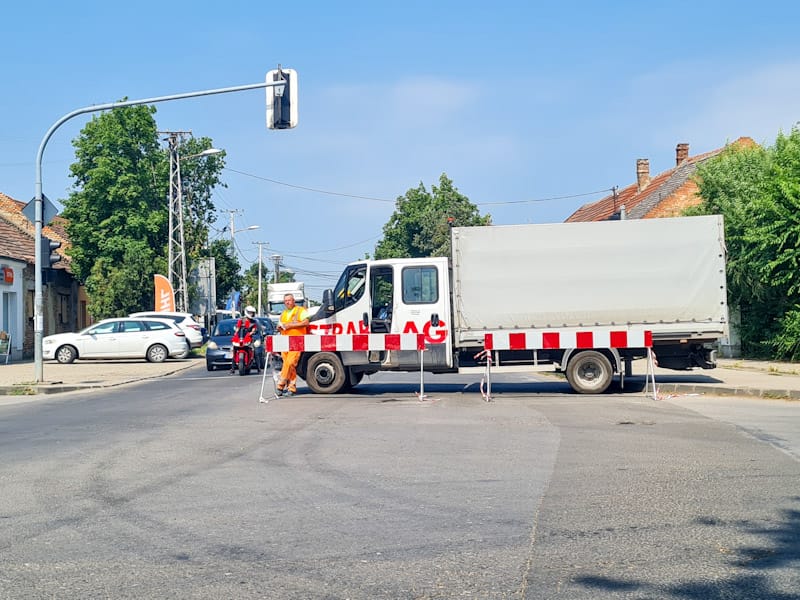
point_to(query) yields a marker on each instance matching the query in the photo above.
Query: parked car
(193, 330)
(152, 339)
(219, 351)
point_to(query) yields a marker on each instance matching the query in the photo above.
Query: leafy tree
(250, 285)
(757, 190)
(117, 209)
(199, 177)
(227, 268)
(117, 213)
(420, 224)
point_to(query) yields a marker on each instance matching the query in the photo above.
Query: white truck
(275, 294)
(585, 298)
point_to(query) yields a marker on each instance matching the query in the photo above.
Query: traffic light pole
(38, 301)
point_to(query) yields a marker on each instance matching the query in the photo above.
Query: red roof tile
(17, 233)
(640, 203)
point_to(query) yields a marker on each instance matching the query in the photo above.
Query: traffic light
(282, 99)
(49, 254)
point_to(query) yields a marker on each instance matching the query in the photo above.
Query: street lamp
(206, 152)
(250, 228)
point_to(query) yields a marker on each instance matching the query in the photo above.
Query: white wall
(12, 306)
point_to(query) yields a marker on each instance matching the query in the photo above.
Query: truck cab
(397, 296)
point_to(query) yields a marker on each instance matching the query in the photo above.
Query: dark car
(268, 328)
(219, 350)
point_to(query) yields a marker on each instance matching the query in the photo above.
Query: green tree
(250, 285)
(757, 190)
(199, 177)
(420, 224)
(117, 213)
(227, 268)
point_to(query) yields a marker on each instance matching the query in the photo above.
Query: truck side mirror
(435, 320)
(327, 302)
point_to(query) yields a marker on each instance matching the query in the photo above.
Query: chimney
(681, 153)
(642, 173)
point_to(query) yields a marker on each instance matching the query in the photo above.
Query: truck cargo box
(642, 271)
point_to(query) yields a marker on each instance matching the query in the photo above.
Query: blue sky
(518, 102)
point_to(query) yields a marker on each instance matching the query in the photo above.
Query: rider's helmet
(250, 312)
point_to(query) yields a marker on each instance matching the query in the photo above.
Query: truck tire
(589, 372)
(325, 373)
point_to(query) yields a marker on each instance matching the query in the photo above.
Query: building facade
(64, 300)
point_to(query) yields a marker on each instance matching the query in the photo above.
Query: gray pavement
(733, 377)
(18, 379)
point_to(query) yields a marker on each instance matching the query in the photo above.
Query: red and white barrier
(346, 343)
(555, 339)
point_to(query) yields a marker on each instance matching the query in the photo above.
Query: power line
(345, 195)
(308, 189)
(374, 237)
(543, 199)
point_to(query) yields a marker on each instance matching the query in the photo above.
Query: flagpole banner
(165, 296)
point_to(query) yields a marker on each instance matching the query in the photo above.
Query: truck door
(381, 286)
(350, 302)
(422, 305)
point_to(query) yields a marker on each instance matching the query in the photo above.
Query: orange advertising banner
(165, 296)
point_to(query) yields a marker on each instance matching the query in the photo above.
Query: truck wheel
(589, 372)
(325, 373)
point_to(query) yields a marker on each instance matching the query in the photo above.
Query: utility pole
(232, 227)
(177, 249)
(260, 244)
(277, 260)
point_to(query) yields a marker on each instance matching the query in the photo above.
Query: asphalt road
(189, 488)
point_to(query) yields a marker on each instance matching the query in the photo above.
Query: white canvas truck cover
(638, 271)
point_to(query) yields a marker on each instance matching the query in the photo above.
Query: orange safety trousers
(289, 370)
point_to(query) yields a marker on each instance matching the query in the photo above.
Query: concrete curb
(34, 389)
(721, 390)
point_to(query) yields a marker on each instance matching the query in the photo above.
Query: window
(350, 287)
(104, 328)
(155, 325)
(128, 326)
(420, 285)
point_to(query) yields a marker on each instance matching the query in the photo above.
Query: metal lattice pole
(177, 248)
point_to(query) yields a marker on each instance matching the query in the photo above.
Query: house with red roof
(64, 299)
(665, 194)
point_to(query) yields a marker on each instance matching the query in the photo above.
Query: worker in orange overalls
(294, 321)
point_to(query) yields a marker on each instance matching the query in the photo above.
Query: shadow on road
(779, 550)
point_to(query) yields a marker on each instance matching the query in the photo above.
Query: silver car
(152, 339)
(192, 329)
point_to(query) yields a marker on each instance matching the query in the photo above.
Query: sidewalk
(17, 379)
(732, 377)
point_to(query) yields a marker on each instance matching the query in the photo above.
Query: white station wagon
(152, 339)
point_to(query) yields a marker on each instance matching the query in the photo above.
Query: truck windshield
(350, 286)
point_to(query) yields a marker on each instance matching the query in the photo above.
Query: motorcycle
(244, 351)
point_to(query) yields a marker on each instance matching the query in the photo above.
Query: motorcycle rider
(249, 323)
